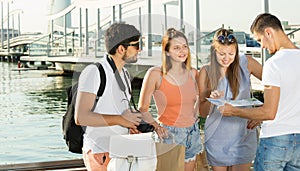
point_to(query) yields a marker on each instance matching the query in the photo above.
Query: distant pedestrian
(279, 147)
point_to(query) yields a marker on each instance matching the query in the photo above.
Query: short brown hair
(265, 20)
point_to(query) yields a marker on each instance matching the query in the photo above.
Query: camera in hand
(145, 127)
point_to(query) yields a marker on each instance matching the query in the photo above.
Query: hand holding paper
(226, 109)
(216, 94)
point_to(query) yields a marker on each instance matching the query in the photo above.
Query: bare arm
(150, 83)
(85, 117)
(266, 112)
(254, 67)
(204, 92)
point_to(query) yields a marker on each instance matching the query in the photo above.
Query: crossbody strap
(130, 90)
(120, 81)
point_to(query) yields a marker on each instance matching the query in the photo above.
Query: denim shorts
(189, 137)
(279, 153)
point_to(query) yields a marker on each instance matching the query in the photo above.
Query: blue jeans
(279, 153)
(189, 137)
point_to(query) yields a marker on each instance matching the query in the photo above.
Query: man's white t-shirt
(113, 102)
(282, 70)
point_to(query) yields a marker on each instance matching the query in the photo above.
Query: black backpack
(73, 134)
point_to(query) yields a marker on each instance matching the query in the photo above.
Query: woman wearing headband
(230, 142)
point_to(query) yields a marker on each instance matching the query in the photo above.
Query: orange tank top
(176, 104)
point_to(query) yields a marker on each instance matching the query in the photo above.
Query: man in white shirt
(111, 114)
(279, 146)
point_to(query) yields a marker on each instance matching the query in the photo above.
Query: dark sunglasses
(230, 38)
(137, 45)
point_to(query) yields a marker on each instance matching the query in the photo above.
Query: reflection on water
(31, 109)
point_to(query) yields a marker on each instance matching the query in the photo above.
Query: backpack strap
(103, 80)
(102, 83)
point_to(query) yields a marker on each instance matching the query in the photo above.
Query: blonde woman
(173, 86)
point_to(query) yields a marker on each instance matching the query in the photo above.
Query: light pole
(2, 34)
(8, 46)
(2, 24)
(265, 55)
(13, 13)
(170, 2)
(197, 32)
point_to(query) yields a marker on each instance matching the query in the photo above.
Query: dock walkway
(62, 165)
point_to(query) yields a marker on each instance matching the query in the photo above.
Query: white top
(111, 102)
(282, 70)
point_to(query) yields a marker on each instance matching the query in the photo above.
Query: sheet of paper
(237, 103)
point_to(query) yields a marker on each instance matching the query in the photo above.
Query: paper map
(236, 103)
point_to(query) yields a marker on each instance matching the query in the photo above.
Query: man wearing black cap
(111, 115)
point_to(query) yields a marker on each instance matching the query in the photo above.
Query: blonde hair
(171, 34)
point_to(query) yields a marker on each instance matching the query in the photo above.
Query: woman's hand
(216, 94)
(161, 132)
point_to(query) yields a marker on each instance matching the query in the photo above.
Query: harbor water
(31, 108)
(32, 104)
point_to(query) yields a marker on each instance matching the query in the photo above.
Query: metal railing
(62, 45)
(39, 46)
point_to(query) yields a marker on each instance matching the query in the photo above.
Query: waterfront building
(9, 33)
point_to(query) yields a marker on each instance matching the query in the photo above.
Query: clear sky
(238, 14)
(33, 18)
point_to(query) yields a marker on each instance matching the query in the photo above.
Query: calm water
(31, 109)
